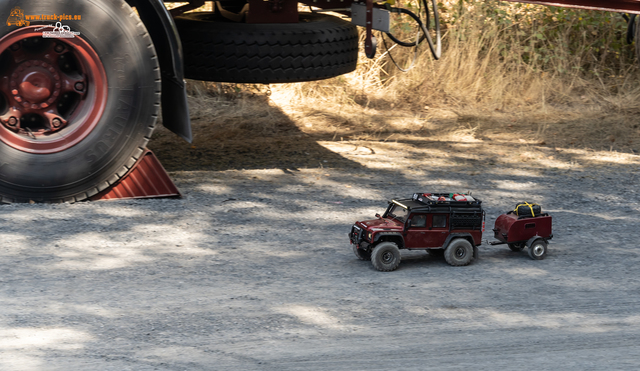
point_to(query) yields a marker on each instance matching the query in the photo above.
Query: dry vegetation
(528, 77)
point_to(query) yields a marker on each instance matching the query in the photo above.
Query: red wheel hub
(35, 83)
(52, 91)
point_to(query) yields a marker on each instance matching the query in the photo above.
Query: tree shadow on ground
(254, 135)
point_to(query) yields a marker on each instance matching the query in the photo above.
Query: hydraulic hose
(436, 50)
(631, 28)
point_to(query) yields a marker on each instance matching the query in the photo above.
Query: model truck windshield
(398, 212)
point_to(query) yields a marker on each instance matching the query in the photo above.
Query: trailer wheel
(538, 250)
(320, 46)
(76, 112)
(360, 253)
(385, 257)
(516, 247)
(459, 252)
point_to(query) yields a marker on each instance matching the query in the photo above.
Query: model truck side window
(419, 221)
(439, 221)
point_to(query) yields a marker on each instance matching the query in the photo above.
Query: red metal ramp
(146, 179)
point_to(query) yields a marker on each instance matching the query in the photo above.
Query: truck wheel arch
(466, 236)
(164, 34)
(394, 237)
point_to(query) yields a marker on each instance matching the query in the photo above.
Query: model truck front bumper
(357, 237)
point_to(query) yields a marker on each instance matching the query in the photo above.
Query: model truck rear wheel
(459, 252)
(385, 257)
(75, 112)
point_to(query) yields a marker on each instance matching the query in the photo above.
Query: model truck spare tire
(76, 112)
(320, 46)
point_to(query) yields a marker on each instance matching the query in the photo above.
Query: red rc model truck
(445, 224)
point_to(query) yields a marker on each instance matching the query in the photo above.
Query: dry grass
(578, 98)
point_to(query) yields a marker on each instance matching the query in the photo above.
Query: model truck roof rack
(424, 199)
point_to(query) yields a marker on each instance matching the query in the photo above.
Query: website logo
(60, 31)
(16, 18)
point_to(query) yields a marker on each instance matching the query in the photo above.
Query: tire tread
(243, 55)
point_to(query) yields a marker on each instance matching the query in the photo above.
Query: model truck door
(427, 230)
(416, 235)
(438, 229)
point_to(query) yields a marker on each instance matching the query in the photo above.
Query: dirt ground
(251, 269)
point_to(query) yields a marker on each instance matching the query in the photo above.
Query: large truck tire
(320, 46)
(75, 113)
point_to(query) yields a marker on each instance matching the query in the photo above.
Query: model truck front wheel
(78, 103)
(385, 257)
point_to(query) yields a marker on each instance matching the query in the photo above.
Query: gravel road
(251, 270)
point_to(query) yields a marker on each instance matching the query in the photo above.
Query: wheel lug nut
(13, 121)
(14, 92)
(59, 48)
(44, 105)
(15, 47)
(18, 99)
(79, 86)
(56, 123)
